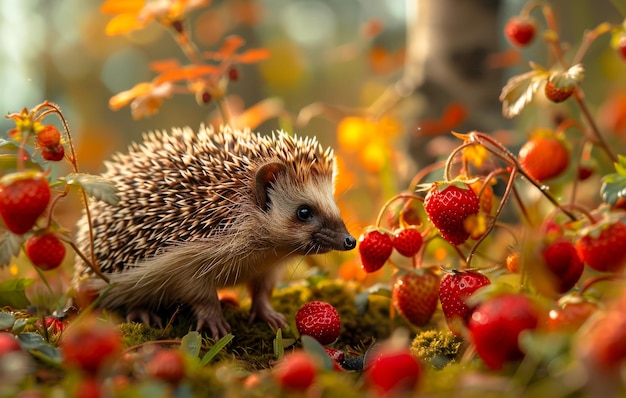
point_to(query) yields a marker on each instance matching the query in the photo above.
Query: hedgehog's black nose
(349, 243)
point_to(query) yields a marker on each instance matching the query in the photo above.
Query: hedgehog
(207, 210)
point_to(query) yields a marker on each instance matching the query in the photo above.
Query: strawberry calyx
(10, 178)
(459, 182)
(604, 217)
(569, 79)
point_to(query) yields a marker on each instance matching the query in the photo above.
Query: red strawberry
(544, 156)
(53, 324)
(8, 343)
(571, 314)
(603, 246)
(296, 371)
(53, 153)
(584, 172)
(520, 31)
(337, 356)
(375, 247)
(496, 324)
(407, 241)
(233, 74)
(23, 198)
(49, 136)
(454, 289)
(561, 85)
(319, 320)
(90, 344)
(414, 294)
(448, 205)
(605, 337)
(512, 261)
(558, 94)
(563, 263)
(393, 371)
(45, 251)
(89, 387)
(167, 365)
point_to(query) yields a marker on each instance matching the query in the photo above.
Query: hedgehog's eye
(304, 213)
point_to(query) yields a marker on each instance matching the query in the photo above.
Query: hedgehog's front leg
(209, 315)
(261, 292)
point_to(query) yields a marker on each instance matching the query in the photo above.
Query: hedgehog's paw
(146, 317)
(212, 319)
(266, 313)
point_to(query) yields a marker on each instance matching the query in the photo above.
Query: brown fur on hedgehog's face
(302, 215)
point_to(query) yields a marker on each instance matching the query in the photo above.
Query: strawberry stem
(384, 208)
(578, 95)
(91, 265)
(592, 281)
(73, 160)
(505, 196)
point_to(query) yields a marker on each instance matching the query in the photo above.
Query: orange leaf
(260, 112)
(231, 45)
(253, 55)
(124, 23)
(164, 65)
(125, 97)
(187, 73)
(122, 6)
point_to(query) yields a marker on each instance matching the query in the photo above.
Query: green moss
(436, 347)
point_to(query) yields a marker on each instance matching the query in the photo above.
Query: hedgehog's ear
(265, 176)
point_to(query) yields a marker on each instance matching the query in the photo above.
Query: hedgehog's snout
(349, 242)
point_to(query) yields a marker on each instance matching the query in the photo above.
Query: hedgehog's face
(302, 217)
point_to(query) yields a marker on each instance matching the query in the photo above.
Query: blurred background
(388, 79)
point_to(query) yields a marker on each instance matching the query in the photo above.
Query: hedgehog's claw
(213, 320)
(218, 328)
(266, 313)
(146, 317)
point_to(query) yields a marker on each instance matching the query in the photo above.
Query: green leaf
(9, 247)
(279, 348)
(217, 347)
(191, 344)
(12, 292)
(6, 320)
(20, 325)
(314, 348)
(94, 186)
(620, 166)
(614, 184)
(35, 344)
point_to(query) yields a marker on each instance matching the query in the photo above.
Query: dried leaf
(520, 90)
(94, 186)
